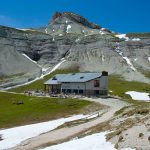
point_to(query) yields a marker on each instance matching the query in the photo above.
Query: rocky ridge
(80, 42)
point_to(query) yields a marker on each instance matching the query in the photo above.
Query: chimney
(104, 73)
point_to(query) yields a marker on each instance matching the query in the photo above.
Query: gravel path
(64, 133)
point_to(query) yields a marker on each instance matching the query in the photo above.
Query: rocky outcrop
(68, 22)
(75, 18)
(100, 47)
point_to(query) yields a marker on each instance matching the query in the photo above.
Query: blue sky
(118, 15)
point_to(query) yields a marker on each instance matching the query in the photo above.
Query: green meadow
(18, 109)
(36, 109)
(119, 86)
(116, 84)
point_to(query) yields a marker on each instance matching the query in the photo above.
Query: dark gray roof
(77, 77)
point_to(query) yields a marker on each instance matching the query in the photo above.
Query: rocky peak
(81, 20)
(75, 18)
(56, 15)
(79, 42)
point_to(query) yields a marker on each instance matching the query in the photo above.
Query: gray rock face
(66, 22)
(12, 61)
(97, 49)
(80, 42)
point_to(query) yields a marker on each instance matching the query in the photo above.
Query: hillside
(81, 43)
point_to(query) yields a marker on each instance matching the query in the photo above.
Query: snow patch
(83, 31)
(53, 30)
(118, 50)
(60, 35)
(29, 58)
(136, 39)
(139, 95)
(53, 69)
(93, 116)
(53, 39)
(66, 21)
(25, 29)
(44, 69)
(103, 58)
(122, 36)
(57, 66)
(92, 142)
(46, 30)
(103, 29)
(14, 136)
(68, 28)
(77, 40)
(149, 59)
(135, 59)
(101, 32)
(129, 63)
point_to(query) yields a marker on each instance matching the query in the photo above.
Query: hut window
(96, 83)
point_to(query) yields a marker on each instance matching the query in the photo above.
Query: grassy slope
(116, 84)
(147, 74)
(39, 84)
(120, 86)
(35, 109)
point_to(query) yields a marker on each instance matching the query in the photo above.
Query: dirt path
(64, 133)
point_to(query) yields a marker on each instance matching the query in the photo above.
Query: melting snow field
(29, 58)
(68, 28)
(14, 136)
(91, 142)
(46, 30)
(122, 36)
(101, 32)
(139, 95)
(129, 63)
(136, 39)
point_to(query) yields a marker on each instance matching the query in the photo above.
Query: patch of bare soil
(131, 129)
